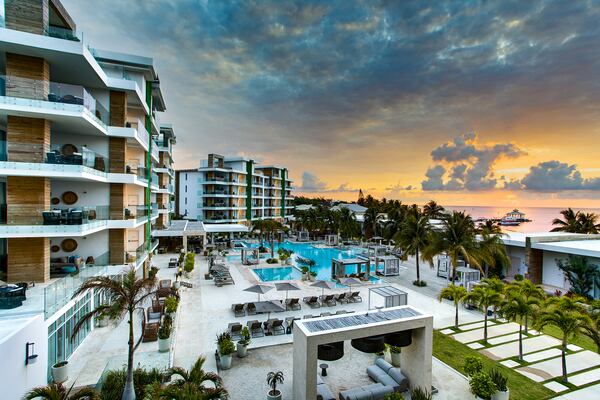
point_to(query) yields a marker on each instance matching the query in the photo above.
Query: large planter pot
(226, 361)
(304, 277)
(164, 345)
(501, 395)
(395, 359)
(60, 372)
(102, 322)
(274, 395)
(312, 278)
(176, 285)
(242, 350)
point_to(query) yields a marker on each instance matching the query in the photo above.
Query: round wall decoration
(69, 245)
(68, 150)
(69, 198)
(54, 201)
(55, 248)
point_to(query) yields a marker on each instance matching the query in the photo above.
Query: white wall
(93, 245)
(90, 194)
(189, 196)
(514, 253)
(98, 144)
(16, 377)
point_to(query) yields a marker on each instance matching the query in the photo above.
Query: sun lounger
(276, 327)
(250, 309)
(238, 310)
(312, 301)
(293, 304)
(328, 300)
(342, 297)
(355, 297)
(235, 330)
(255, 328)
(164, 284)
(325, 314)
(338, 312)
(308, 316)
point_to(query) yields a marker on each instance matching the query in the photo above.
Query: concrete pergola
(376, 250)
(391, 265)
(416, 359)
(302, 236)
(332, 240)
(338, 266)
(254, 251)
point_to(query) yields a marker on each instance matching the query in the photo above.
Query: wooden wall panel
(29, 77)
(117, 240)
(27, 15)
(117, 201)
(26, 198)
(28, 139)
(118, 108)
(28, 260)
(117, 154)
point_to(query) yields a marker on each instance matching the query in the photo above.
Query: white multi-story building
(85, 172)
(233, 190)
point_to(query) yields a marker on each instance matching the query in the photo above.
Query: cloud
(469, 164)
(555, 176)
(397, 189)
(311, 183)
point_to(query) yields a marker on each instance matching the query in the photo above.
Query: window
(186, 188)
(185, 200)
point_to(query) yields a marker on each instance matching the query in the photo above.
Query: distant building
(358, 210)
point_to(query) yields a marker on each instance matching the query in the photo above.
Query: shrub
(395, 349)
(482, 385)
(518, 277)
(394, 396)
(499, 380)
(227, 347)
(153, 271)
(114, 382)
(420, 394)
(222, 337)
(313, 274)
(304, 270)
(164, 332)
(171, 304)
(190, 260)
(473, 365)
(272, 261)
(246, 338)
(420, 283)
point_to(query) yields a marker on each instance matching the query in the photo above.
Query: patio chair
(312, 301)
(356, 297)
(276, 327)
(329, 300)
(250, 309)
(164, 284)
(293, 304)
(153, 316)
(235, 330)
(342, 297)
(238, 310)
(149, 331)
(255, 328)
(158, 307)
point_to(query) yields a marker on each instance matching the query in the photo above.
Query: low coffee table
(323, 369)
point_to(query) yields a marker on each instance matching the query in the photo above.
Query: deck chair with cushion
(255, 328)
(153, 316)
(356, 297)
(276, 327)
(250, 309)
(328, 300)
(238, 310)
(149, 331)
(235, 330)
(312, 301)
(342, 297)
(293, 304)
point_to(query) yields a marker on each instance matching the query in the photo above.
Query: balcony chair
(51, 217)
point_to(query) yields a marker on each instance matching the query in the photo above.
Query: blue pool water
(322, 257)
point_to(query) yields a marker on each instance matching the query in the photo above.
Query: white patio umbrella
(323, 285)
(259, 288)
(349, 282)
(287, 286)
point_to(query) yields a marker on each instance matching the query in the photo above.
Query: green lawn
(454, 353)
(581, 340)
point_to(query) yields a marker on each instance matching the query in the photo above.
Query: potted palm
(304, 273)
(60, 372)
(482, 386)
(227, 349)
(164, 335)
(312, 276)
(274, 378)
(242, 344)
(395, 354)
(502, 391)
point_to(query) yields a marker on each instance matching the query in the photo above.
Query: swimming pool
(322, 257)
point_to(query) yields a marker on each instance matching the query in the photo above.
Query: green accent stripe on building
(283, 175)
(250, 179)
(149, 163)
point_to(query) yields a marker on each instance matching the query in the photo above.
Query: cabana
(391, 265)
(467, 277)
(332, 240)
(338, 266)
(376, 250)
(444, 266)
(250, 255)
(303, 236)
(392, 296)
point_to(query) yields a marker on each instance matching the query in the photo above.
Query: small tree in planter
(395, 353)
(304, 273)
(273, 379)
(227, 348)
(482, 386)
(312, 276)
(472, 365)
(171, 304)
(164, 334)
(502, 391)
(242, 344)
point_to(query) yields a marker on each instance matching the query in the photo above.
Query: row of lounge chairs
(243, 309)
(331, 300)
(221, 275)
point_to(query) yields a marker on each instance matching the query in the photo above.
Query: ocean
(541, 217)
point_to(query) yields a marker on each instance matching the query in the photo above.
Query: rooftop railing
(62, 33)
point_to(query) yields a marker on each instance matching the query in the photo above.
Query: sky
(464, 102)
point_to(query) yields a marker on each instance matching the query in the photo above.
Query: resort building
(233, 190)
(85, 172)
(535, 256)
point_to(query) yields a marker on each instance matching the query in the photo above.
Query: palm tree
(588, 223)
(414, 236)
(457, 238)
(346, 221)
(372, 219)
(126, 295)
(518, 308)
(258, 225)
(497, 285)
(489, 227)
(456, 294)
(483, 297)
(56, 391)
(433, 209)
(189, 391)
(569, 318)
(569, 223)
(582, 275)
(533, 293)
(271, 227)
(197, 377)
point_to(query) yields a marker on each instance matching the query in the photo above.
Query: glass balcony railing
(51, 96)
(140, 127)
(155, 178)
(57, 216)
(62, 154)
(62, 33)
(154, 151)
(137, 212)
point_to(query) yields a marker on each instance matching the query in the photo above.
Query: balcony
(154, 152)
(58, 102)
(62, 33)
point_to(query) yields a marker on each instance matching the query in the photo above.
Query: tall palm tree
(518, 308)
(588, 223)
(456, 294)
(433, 209)
(56, 391)
(533, 293)
(457, 239)
(126, 296)
(198, 377)
(497, 285)
(372, 219)
(258, 225)
(492, 250)
(483, 297)
(582, 275)
(271, 227)
(346, 220)
(562, 313)
(413, 237)
(569, 223)
(490, 227)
